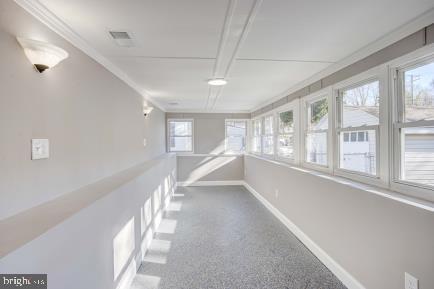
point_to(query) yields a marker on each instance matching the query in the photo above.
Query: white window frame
(381, 134)
(388, 149)
(293, 106)
(273, 134)
(252, 128)
(326, 93)
(246, 136)
(414, 59)
(168, 135)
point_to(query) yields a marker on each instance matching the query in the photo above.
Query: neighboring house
(358, 149)
(419, 155)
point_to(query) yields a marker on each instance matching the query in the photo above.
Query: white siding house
(418, 161)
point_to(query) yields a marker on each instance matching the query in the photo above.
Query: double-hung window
(268, 136)
(285, 139)
(256, 136)
(316, 131)
(414, 125)
(287, 129)
(358, 114)
(180, 135)
(236, 131)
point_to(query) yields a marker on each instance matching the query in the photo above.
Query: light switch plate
(411, 282)
(144, 142)
(40, 149)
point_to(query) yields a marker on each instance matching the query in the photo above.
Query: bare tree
(366, 95)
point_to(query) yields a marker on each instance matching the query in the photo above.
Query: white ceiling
(263, 47)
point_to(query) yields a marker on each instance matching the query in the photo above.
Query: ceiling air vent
(122, 38)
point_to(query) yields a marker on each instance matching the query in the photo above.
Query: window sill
(386, 193)
(209, 155)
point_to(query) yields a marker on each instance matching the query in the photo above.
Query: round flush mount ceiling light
(217, 82)
(41, 54)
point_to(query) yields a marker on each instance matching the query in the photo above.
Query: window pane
(257, 127)
(346, 136)
(419, 93)
(286, 146)
(316, 148)
(268, 146)
(361, 105)
(180, 128)
(353, 136)
(268, 125)
(418, 158)
(180, 144)
(236, 128)
(235, 144)
(318, 115)
(235, 136)
(256, 144)
(359, 156)
(286, 122)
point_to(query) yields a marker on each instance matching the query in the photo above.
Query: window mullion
(419, 123)
(357, 128)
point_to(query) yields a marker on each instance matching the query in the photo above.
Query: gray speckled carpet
(222, 237)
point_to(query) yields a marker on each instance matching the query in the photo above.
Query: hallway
(222, 237)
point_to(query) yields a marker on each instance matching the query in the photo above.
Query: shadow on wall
(220, 165)
(151, 220)
(207, 166)
(219, 149)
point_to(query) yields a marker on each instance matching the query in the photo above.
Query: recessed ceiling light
(217, 81)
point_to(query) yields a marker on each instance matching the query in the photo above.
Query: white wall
(93, 120)
(77, 208)
(210, 168)
(374, 238)
(100, 246)
(207, 162)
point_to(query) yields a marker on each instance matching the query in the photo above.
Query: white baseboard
(210, 183)
(346, 278)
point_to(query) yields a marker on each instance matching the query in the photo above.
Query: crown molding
(48, 18)
(401, 32)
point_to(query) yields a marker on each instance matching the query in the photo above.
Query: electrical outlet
(276, 193)
(411, 282)
(144, 142)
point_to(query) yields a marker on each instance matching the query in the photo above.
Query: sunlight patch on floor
(167, 226)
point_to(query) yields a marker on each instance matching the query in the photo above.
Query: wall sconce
(147, 110)
(42, 55)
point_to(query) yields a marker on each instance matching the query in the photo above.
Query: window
(235, 141)
(285, 139)
(414, 126)
(180, 135)
(357, 129)
(316, 132)
(361, 136)
(268, 136)
(256, 138)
